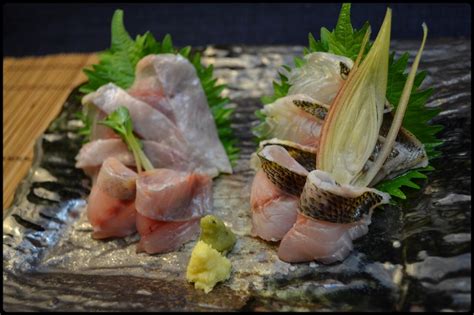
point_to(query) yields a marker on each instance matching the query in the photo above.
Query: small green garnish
(121, 122)
(215, 233)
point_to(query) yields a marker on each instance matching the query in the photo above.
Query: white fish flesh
(170, 83)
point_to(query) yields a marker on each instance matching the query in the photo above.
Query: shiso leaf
(117, 65)
(352, 126)
(393, 186)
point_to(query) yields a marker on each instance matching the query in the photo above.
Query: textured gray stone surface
(416, 256)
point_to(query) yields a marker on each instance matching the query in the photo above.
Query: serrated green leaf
(299, 62)
(167, 44)
(185, 51)
(120, 36)
(393, 186)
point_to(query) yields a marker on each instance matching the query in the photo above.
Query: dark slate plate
(416, 256)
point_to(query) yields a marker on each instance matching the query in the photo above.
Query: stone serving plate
(416, 256)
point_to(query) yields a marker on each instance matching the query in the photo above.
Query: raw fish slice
(178, 88)
(169, 195)
(287, 121)
(330, 216)
(324, 199)
(282, 169)
(149, 123)
(146, 90)
(327, 242)
(304, 155)
(321, 77)
(111, 207)
(273, 210)
(160, 155)
(117, 180)
(161, 237)
(94, 153)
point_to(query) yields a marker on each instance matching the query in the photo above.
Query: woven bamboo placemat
(34, 90)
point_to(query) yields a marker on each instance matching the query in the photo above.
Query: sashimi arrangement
(332, 143)
(158, 133)
(336, 140)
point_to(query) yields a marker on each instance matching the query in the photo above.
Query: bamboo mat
(34, 90)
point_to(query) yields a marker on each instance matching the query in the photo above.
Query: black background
(38, 29)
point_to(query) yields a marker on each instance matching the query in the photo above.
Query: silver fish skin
(282, 169)
(324, 199)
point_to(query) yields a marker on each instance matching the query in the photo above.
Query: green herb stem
(121, 122)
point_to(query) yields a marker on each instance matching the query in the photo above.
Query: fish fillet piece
(321, 77)
(170, 83)
(161, 237)
(289, 118)
(327, 242)
(94, 153)
(282, 169)
(111, 206)
(169, 195)
(273, 210)
(324, 199)
(146, 90)
(329, 217)
(148, 123)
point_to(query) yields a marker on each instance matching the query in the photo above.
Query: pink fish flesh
(94, 153)
(273, 210)
(169, 195)
(148, 122)
(161, 237)
(111, 206)
(327, 242)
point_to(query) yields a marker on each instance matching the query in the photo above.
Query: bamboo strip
(11, 178)
(34, 91)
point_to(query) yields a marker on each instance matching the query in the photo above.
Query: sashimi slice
(169, 195)
(273, 210)
(149, 123)
(161, 237)
(170, 83)
(327, 242)
(94, 153)
(321, 77)
(330, 216)
(286, 121)
(111, 207)
(153, 95)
